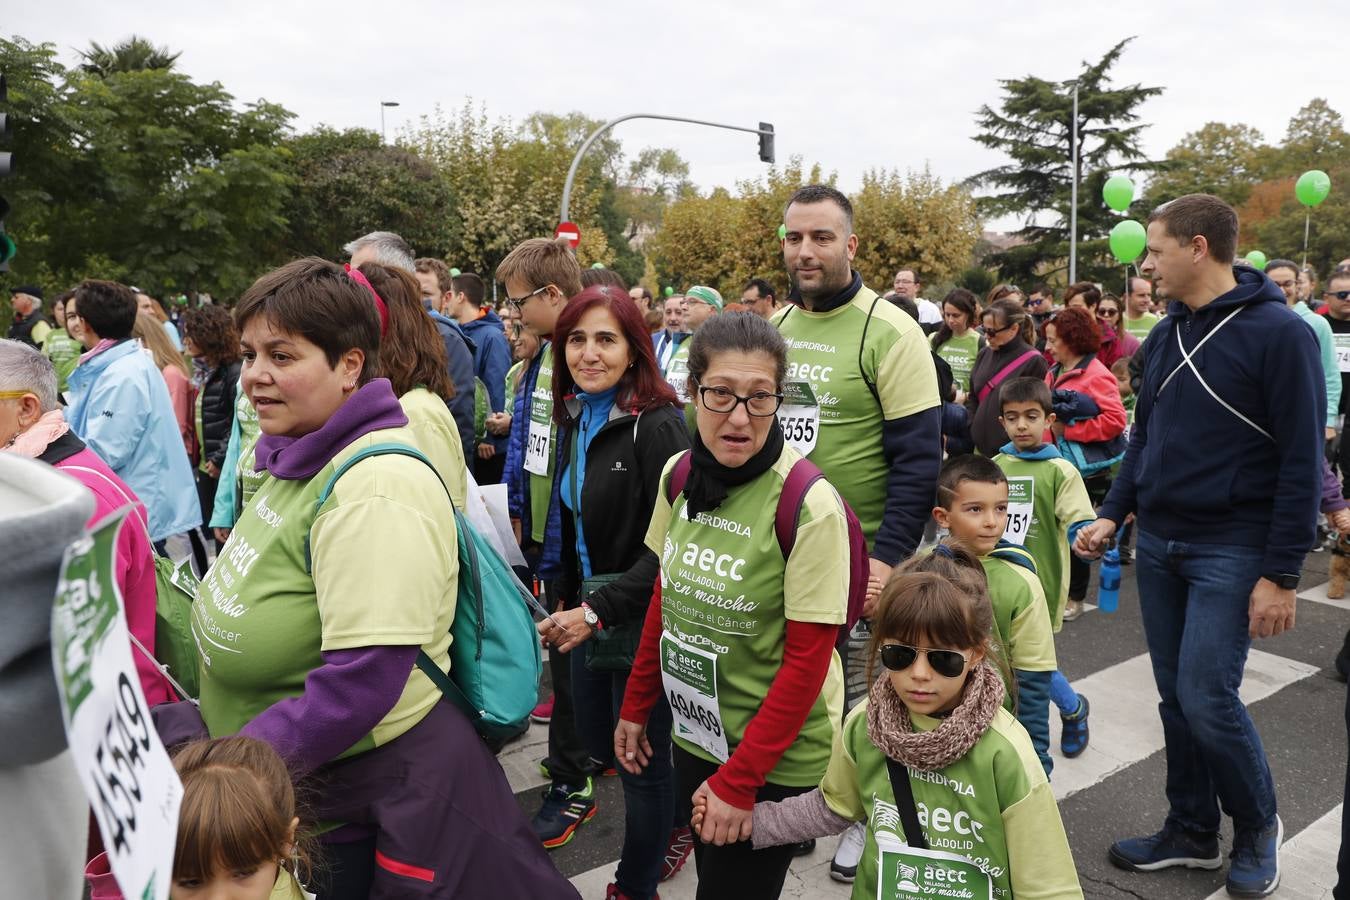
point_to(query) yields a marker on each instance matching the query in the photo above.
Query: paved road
(1115, 789)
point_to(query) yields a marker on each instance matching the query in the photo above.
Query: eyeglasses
(15, 395)
(899, 657)
(1339, 295)
(519, 302)
(721, 400)
(1108, 313)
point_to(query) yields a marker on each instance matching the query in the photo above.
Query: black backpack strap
(904, 801)
(871, 385)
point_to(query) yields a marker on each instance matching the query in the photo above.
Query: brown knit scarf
(892, 732)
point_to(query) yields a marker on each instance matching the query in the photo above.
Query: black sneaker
(1169, 847)
(1343, 659)
(565, 809)
(805, 848)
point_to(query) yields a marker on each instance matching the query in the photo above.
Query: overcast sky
(853, 85)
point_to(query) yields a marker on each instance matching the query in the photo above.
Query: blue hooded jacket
(459, 349)
(491, 360)
(1237, 462)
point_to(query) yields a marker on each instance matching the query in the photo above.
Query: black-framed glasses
(1339, 295)
(1108, 313)
(518, 302)
(947, 663)
(723, 400)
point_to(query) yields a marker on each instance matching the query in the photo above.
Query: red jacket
(1115, 345)
(1095, 380)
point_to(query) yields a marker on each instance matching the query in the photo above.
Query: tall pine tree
(1033, 128)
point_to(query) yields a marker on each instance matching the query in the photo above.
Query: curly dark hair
(1077, 329)
(212, 329)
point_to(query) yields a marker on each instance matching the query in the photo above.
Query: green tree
(348, 183)
(135, 54)
(1033, 126)
(1315, 139)
(913, 219)
(1217, 159)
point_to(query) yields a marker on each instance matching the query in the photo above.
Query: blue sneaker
(565, 809)
(1169, 847)
(1073, 739)
(1255, 867)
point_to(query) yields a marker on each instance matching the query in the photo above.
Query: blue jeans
(648, 798)
(1194, 600)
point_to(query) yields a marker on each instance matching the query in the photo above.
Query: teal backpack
(494, 650)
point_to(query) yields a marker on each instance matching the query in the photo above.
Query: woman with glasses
(618, 423)
(1008, 354)
(1117, 343)
(738, 637)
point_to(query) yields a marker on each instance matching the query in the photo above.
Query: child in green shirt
(972, 497)
(1048, 504)
(944, 777)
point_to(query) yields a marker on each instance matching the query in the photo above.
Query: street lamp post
(1073, 192)
(383, 104)
(765, 132)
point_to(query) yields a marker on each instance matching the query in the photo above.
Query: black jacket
(218, 395)
(617, 497)
(985, 427)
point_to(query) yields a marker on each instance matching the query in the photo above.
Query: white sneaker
(844, 866)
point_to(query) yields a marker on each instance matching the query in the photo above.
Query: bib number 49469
(689, 676)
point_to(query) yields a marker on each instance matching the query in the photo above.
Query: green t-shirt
(247, 416)
(1021, 616)
(64, 352)
(824, 349)
(1141, 326)
(992, 806)
(960, 353)
(539, 445)
(383, 573)
(1045, 497)
(437, 437)
(677, 373)
(726, 596)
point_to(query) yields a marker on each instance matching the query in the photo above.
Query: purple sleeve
(1332, 501)
(343, 700)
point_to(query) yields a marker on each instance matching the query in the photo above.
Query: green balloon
(782, 232)
(670, 292)
(597, 265)
(1312, 187)
(1257, 260)
(1127, 241)
(454, 273)
(1118, 192)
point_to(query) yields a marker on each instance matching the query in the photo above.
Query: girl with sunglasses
(934, 747)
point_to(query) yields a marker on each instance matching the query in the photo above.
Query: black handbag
(611, 649)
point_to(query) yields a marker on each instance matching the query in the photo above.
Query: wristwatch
(1283, 580)
(589, 617)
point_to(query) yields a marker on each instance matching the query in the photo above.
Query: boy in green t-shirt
(972, 495)
(1048, 503)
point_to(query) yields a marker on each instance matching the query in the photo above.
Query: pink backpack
(803, 474)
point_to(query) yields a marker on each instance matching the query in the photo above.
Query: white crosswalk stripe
(1123, 734)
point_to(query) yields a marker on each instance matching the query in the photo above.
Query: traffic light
(765, 142)
(6, 166)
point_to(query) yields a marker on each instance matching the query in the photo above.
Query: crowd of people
(803, 555)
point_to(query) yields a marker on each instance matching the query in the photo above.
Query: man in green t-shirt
(1138, 319)
(861, 402)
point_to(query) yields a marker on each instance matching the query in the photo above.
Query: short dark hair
(737, 333)
(905, 304)
(317, 300)
(1282, 264)
(1204, 215)
(212, 330)
(603, 276)
(471, 286)
(1338, 274)
(822, 193)
(1026, 390)
(1091, 294)
(765, 289)
(969, 467)
(444, 280)
(1043, 289)
(106, 307)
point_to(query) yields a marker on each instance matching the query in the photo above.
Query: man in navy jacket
(1222, 472)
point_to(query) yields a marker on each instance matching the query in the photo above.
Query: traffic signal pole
(765, 132)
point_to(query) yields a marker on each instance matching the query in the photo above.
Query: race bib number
(909, 873)
(130, 782)
(677, 376)
(799, 417)
(1021, 492)
(537, 448)
(1342, 344)
(689, 676)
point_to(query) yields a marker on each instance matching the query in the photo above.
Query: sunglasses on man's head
(898, 657)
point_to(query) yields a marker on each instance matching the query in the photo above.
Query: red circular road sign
(570, 231)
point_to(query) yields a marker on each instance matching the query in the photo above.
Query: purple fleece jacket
(354, 689)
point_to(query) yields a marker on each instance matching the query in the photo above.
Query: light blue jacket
(1331, 370)
(120, 407)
